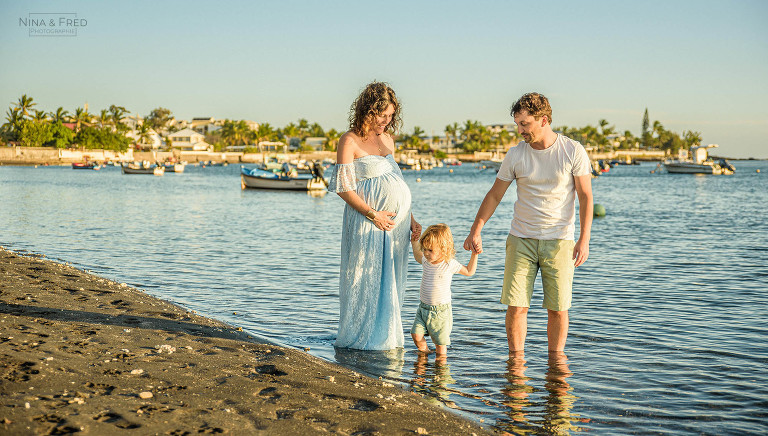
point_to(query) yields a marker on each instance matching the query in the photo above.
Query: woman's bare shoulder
(349, 139)
(389, 138)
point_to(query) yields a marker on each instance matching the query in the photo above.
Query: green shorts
(524, 258)
(435, 321)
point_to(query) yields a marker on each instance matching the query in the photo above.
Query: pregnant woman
(375, 236)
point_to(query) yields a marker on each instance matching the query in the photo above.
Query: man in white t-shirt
(551, 171)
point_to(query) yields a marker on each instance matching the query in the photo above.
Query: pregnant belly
(387, 193)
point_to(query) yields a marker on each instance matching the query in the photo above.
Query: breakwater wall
(18, 155)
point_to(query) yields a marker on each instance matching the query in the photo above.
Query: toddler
(435, 252)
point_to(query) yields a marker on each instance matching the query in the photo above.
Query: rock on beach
(83, 354)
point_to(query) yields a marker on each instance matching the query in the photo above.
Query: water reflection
(433, 380)
(558, 417)
(517, 389)
(387, 364)
(552, 413)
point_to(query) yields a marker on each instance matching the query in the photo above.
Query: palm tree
(290, 131)
(104, 118)
(414, 139)
(303, 127)
(24, 105)
(316, 131)
(143, 133)
(332, 137)
(13, 125)
(504, 137)
(235, 132)
(117, 113)
(59, 116)
(40, 116)
(691, 138)
(265, 132)
(81, 118)
(475, 136)
(657, 131)
(451, 130)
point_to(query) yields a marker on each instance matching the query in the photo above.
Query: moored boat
(262, 179)
(174, 167)
(156, 170)
(699, 164)
(86, 166)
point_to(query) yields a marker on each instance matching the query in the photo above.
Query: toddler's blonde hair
(438, 238)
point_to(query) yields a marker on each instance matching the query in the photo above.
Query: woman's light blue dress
(373, 262)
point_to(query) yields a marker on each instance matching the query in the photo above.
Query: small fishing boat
(700, 164)
(174, 167)
(409, 163)
(86, 166)
(143, 169)
(262, 179)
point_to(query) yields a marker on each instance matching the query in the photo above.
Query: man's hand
(474, 243)
(580, 252)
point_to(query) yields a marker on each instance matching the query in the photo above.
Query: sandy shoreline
(83, 354)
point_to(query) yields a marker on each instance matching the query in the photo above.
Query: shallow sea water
(668, 333)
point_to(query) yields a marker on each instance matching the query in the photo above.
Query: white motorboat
(262, 179)
(143, 169)
(700, 163)
(175, 167)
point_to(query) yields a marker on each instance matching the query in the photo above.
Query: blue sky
(696, 65)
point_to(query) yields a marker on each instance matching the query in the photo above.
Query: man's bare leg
(517, 326)
(557, 329)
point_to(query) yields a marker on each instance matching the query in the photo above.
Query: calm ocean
(668, 332)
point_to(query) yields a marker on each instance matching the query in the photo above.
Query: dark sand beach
(83, 354)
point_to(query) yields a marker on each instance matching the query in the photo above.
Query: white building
(204, 125)
(497, 128)
(189, 140)
(152, 141)
(316, 142)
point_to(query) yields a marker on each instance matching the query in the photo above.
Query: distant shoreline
(31, 156)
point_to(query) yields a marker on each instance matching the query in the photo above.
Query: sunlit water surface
(668, 327)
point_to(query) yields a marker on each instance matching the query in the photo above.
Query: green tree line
(27, 126)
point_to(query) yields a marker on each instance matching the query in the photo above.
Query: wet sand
(83, 354)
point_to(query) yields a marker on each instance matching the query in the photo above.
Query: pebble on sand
(145, 395)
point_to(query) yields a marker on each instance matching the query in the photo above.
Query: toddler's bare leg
(420, 342)
(441, 350)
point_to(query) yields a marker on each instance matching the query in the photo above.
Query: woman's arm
(345, 154)
(415, 229)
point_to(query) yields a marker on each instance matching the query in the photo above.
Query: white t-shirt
(546, 195)
(436, 281)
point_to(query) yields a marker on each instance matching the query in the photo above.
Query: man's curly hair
(536, 104)
(373, 101)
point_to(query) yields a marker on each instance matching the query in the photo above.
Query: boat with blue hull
(262, 179)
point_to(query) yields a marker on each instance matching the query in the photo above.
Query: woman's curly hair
(373, 101)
